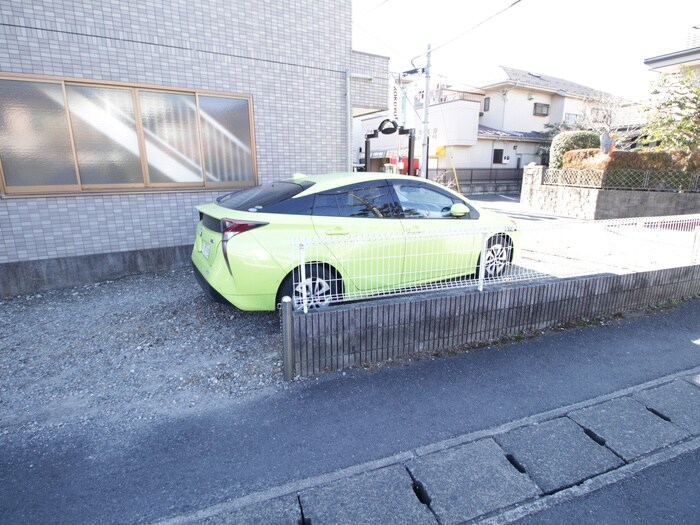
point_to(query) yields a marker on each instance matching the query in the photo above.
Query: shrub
(586, 159)
(653, 160)
(571, 140)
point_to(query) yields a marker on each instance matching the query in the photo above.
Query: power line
(468, 30)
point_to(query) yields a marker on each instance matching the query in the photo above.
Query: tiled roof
(535, 80)
(486, 132)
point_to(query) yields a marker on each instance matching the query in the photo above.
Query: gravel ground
(130, 350)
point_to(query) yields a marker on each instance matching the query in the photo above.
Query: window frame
(572, 118)
(545, 108)
(146, 186)
(487, 104)
(493, 155)
(348, 189)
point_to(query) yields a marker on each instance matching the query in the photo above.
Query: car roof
(329, 181)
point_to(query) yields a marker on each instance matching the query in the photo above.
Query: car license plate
(205, 249)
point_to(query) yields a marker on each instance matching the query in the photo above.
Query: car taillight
(230, 227)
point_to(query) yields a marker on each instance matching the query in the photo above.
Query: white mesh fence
(345, 268)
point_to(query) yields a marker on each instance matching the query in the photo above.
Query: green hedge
(570, 140)
(629, 160)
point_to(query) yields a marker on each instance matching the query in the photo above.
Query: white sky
(598, 43)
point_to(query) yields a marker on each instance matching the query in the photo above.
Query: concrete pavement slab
(471, 480)
(557, 453)
(382, 496)
(279, 511)
(628, 428)
(677, 400)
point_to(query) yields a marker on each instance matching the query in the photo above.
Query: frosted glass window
(171, 136)
(35, 147)
(104, 131)
(227, 139)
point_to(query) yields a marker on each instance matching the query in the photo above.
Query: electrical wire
(467, 31)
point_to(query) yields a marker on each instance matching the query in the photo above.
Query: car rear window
(265, 198)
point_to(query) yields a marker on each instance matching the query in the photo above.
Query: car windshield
(261, 197)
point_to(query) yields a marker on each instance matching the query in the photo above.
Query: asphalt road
(96, 474)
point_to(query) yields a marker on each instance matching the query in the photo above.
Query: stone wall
(592, 203)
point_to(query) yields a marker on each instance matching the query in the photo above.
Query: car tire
(323, 287)
(499, 254)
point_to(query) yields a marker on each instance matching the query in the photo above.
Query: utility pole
(426, 127)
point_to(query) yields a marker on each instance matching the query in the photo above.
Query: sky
(600, 44)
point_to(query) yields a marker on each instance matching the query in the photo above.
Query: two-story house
(497, 126)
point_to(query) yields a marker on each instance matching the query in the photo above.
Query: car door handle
(413, 229)
(337, 231)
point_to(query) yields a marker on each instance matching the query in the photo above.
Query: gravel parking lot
(129, 350)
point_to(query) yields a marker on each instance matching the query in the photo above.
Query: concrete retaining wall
(46, 274)
(591, 203)
(376, 331)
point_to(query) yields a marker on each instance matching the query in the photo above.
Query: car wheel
(499, 253)
(322, 285)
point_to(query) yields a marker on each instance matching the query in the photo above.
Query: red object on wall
(404, 165)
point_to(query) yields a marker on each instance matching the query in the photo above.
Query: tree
(619, 118)
(602, 113)
(674, 121)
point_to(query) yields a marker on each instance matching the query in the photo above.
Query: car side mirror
(459, 210)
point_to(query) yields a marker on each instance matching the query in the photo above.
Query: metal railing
(467, 176)
(334, 269)
(625, 179)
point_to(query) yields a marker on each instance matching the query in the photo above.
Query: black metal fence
(471, 176)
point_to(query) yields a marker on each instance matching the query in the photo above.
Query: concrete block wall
(613, 204)
(58, 241)
(376, 331)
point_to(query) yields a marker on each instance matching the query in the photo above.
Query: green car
(327, 238)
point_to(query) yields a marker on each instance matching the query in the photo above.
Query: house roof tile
(537, 80)
(487, 132)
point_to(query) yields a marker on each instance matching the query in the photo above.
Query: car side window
(423, 202)
(368, 200)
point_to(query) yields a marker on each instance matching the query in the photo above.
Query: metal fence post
(696, 245)
(482, 259)
(287, 338)
(302, 269)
